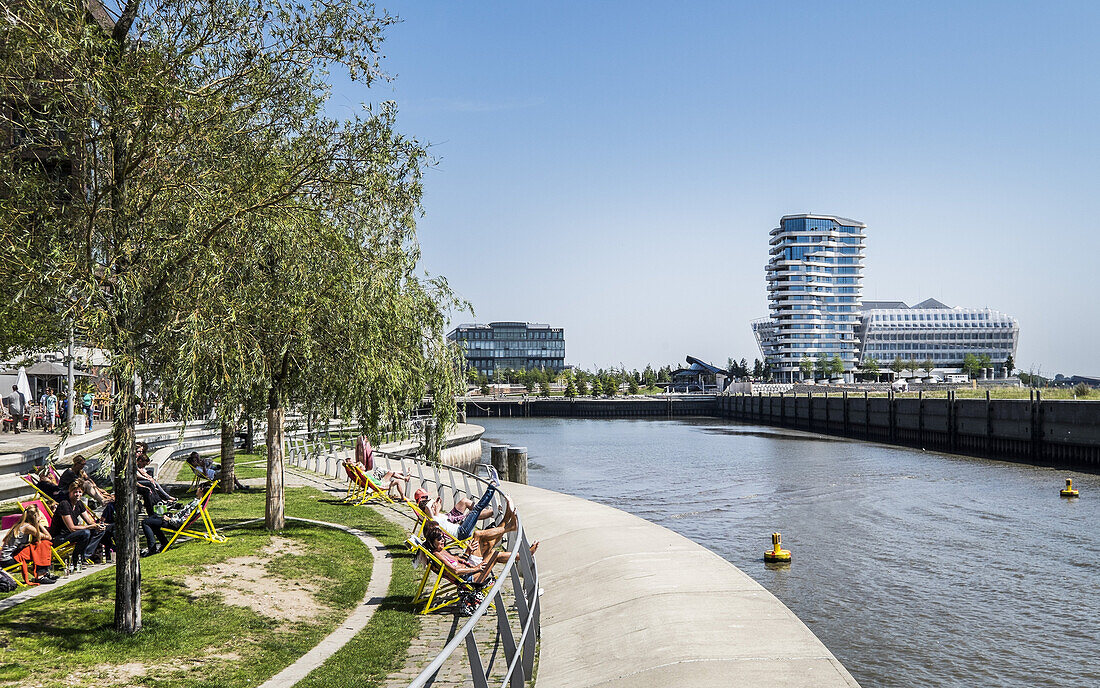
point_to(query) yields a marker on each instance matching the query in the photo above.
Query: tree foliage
(177, 191)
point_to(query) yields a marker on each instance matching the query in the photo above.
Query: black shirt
(53, 491)
(58, 529)
(67, 478)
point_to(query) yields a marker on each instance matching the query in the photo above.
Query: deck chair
(197, 479)
(5, 524)
(196, 522)
(370, 489)
(62, 552)
(422, 518)
(447, 586)
(29, 479)
(356, 487)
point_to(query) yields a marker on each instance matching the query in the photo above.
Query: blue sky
(614, 168)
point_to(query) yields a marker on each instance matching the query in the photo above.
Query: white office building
(932, 331)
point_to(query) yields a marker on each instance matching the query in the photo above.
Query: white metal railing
(516, 636)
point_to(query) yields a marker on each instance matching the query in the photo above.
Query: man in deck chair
(461, 521)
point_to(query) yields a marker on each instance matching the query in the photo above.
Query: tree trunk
(248, 448)
(228, 478)
(274, 518)
(127, 545)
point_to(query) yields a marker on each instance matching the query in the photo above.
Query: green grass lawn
(195, 637)
(249, 466)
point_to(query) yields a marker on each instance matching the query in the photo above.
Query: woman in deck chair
(28, 543)
(210, 470)
(475, 570)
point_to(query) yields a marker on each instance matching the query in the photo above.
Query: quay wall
(1061, 434)
(628, 603)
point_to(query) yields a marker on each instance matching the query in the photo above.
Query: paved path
(437, 628)
(629, 603)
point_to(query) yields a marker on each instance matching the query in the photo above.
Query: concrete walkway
(629, 603)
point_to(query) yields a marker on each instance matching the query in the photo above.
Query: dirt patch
(245, 582)
(131, 674)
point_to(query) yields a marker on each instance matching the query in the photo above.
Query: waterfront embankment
(1061, 434)
(629, 603)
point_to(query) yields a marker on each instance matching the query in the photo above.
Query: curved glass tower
(815, 283)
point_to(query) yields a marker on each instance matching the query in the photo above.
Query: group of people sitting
(75, 520)
(454, 538)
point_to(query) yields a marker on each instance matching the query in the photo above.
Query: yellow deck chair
(204, 528)
(197, 479)
(371, 489)
(422, 518)
(446, 585)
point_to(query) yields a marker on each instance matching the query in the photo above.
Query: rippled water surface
(914, 568)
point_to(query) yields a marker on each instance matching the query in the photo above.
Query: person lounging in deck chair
(28, 545)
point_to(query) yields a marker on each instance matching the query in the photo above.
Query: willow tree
(149, 139)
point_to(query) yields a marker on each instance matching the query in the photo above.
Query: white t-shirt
(450, 528)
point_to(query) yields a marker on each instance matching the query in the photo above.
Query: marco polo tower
(815, 275)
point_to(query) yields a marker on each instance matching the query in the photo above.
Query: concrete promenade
(629, 603)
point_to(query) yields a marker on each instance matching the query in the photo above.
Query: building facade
(932, 331)
(501, 346)
(814, 276)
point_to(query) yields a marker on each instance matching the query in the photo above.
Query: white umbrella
(24, 385)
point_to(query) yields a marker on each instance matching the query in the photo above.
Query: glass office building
(933, 331)
(511, 345)
(814, 277)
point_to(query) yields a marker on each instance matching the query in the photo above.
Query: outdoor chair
(62, 552)
(45, 498)
(356, 487)
(422, 518)
(196, 522)
(369, 490)
(447, 586)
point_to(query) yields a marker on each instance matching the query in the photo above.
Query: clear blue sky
(614, 167)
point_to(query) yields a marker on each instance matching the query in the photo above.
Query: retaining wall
(1064, 434)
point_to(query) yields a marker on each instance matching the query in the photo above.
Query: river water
(914, 568)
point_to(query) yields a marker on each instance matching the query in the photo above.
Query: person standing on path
(51, 410)
(17, 405)
(89, 400)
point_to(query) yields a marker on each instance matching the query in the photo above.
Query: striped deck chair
(30, 480)
(62, 552)
(447, 586)
(196, 523)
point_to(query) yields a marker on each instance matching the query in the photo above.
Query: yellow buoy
(777, 555)
(1070, 490)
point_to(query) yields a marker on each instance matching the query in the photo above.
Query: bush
(1082, 390)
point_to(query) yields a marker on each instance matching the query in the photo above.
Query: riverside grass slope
(206, 627)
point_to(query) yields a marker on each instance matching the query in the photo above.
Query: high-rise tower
(815, 277)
